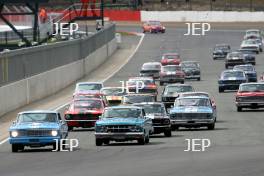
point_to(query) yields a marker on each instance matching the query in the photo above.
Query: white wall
(202, 16)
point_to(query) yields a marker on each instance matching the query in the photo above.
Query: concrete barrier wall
(202, 16)
(34, 88)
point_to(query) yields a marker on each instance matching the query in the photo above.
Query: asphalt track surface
(237, 142)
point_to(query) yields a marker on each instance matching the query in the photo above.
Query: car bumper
(189, 123)
(192, 76)
(229, 86)
(250, 104)
(34, 141)
(120, 136)
(161, 128)
(81, 123)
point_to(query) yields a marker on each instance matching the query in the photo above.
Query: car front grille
(35, 132)
(160, 121)
(190, 116)
(151, 91)
(119, 128)
(169, 99)
(253, 98)
(84, 117)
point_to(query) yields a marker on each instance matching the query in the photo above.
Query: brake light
(152, 86)
(164, 61)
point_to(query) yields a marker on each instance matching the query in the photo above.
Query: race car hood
(155, 116)
(191, 109)
(120, 121)
(35, 125)
(171, 94)
(85, 111)
(190, 69)
(250, 94)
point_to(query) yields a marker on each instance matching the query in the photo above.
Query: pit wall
(36, 87)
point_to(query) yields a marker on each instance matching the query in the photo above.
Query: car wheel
(54, 147)
(15, 148)
(239, 109)
(182, 82)
(98, 142)
(220, 89)
(70, 128)
(199, 79)
(226, 66)
(147, 139)
(211, 127)
(174, 128)
(257, 52)
(167, 133)
(254, 63)
(107, 142)
(161, 83)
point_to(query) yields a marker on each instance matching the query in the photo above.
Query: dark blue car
(231, 79)
(249, 71)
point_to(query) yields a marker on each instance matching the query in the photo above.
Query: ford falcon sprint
(123, 123)
(250, 95)
(37, 129)
(194, 112)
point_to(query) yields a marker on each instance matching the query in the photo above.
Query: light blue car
(193, 112)
(37, 129)
(123, 123)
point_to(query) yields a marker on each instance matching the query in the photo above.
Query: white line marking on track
(113, 73)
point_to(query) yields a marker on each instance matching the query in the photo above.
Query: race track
(237, 142)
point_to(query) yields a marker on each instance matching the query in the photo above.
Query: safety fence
(23, 63)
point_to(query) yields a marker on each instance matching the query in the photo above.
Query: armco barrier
(202, 16)
(84, 58)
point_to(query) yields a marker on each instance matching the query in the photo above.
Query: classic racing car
(171, 74)
(150, 69)
(170, 59)
(160, 120)
(88, 86)
(249, 56)
(193, 111)
(153, 27)
(84, 112)
(249, 71)
(172, 91)
(123, 123)
(221, 51)
(114, 95)
(250, 95)
(234, 58)
(37, 129)
(231, 79)
(191, 69)
(138, 98)
(251, 45)
(145, 85)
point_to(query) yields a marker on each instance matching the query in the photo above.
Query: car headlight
(209, 115)
(166, 121)
(54, 132)
(135, 128)
(101, 129)
(14, 133)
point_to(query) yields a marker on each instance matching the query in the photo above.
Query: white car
(250, 45)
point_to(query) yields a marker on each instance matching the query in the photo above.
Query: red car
(170, 59)
(153, 27)
(250, 95)
(90, 94)
(84, 112)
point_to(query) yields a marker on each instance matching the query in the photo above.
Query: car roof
(38, 111)
(149, 103)
(178, 84)
(190, 97)
(89, 83)
(123, 106)
(252, 30)
(151, 63)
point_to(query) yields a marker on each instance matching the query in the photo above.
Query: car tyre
(98, 142)
(15, 148)
(70, 128)
(199, 79)
(221, 90)
(239, 109)
(161, 83)
(182, 82)
(147, 139)
(167, 133)
(174, 128)
(226, 66)
(211, 126)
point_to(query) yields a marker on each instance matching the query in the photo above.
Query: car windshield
(247, 52)
(252, 88)
(153, 108)
(83, 87)
(249, 42)
(171, 68)
(255, 32)
(138, 99)
(151, 67)
(192, 102)
(190, 65)
(235, 55)
(178, 89)
(114, 91)
(171, 56)
(87, 104)
(244, 68)
(122, 112)
(37, 117)
(233, 74)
